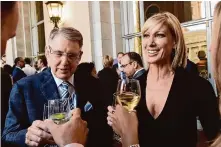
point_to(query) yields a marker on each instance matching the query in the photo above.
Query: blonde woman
(172, 97)
(108, 78)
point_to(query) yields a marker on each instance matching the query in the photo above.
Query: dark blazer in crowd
(6, 85)
(45, 69)
(115, 66)
(109, 79)
(26, 104)
(141, 76)
(18, 74)
(139, 73)
(190, 96)
(192, 67)
(89, 90)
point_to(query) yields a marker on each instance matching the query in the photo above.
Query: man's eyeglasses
(70, 56)
(123, 66)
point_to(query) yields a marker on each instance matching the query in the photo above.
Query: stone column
(137, 40)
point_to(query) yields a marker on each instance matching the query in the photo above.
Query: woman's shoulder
(192, 80)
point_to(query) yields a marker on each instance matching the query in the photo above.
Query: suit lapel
(49, 88)
(138, 74)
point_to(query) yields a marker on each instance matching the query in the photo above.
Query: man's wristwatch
(135, 145)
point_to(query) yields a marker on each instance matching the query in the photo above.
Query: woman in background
(108, 79)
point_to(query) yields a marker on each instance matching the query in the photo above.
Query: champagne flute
(59, 110)
(127, 95)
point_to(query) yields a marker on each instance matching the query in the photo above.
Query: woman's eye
(160, 35)
(146, 35)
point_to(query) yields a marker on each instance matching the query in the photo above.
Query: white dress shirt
(28, 70)
(74, 145)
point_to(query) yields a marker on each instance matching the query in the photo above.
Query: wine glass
(59, 110)
(45, 116)
(127, 95)
(45, 112)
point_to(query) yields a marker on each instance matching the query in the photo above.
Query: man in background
(42, 63)
(191, 67)
(132, 65)
(28, 69)
(117, 66)
(17, 72)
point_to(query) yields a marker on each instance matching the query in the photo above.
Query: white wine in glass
(127, 95)
(128, 100)
(59, 110)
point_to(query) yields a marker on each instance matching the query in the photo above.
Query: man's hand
(73, 131)
(37, 134)
(124, 124)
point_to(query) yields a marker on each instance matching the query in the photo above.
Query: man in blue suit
(24, 125)
(18, 73)
(132, 65)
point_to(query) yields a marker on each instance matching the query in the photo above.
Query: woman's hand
(124, 123)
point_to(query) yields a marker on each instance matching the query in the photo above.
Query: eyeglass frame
(60, 54)
(123, 66)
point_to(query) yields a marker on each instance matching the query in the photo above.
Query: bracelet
(135, 145)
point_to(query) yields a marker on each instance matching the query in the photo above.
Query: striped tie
(64, 90)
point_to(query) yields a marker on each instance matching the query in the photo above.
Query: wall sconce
(55, 11)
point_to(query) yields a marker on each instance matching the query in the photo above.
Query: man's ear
(81, 53)
(135, 64)
(46, 51)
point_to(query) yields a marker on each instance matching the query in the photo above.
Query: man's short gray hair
(69, 33)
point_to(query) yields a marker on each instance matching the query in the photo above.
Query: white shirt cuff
(74, 145)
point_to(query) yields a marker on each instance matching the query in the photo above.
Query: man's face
(119, 58)
(9, 26)
(127, 66)
(39, 64)
(21, 63)
(62, 65)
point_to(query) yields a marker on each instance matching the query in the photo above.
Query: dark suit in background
(89, 89)
(18, 74)
(141, 76)
(139, 73)
(6, 86)
(109, 79)
(192, 67)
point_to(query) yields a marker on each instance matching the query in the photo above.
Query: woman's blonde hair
(107, 61)
(168, 19)
(216, 40)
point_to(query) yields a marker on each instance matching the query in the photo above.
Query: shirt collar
(59, 81)
(138, 71)
(27, 65)
(18, 67)
(44, 68)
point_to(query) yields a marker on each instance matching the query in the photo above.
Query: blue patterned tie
(64, 90)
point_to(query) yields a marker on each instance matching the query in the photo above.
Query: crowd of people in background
(25, 67)
(173, 96)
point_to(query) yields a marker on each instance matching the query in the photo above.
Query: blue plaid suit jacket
(26, 103)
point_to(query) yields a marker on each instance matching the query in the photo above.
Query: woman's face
(158, 43)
